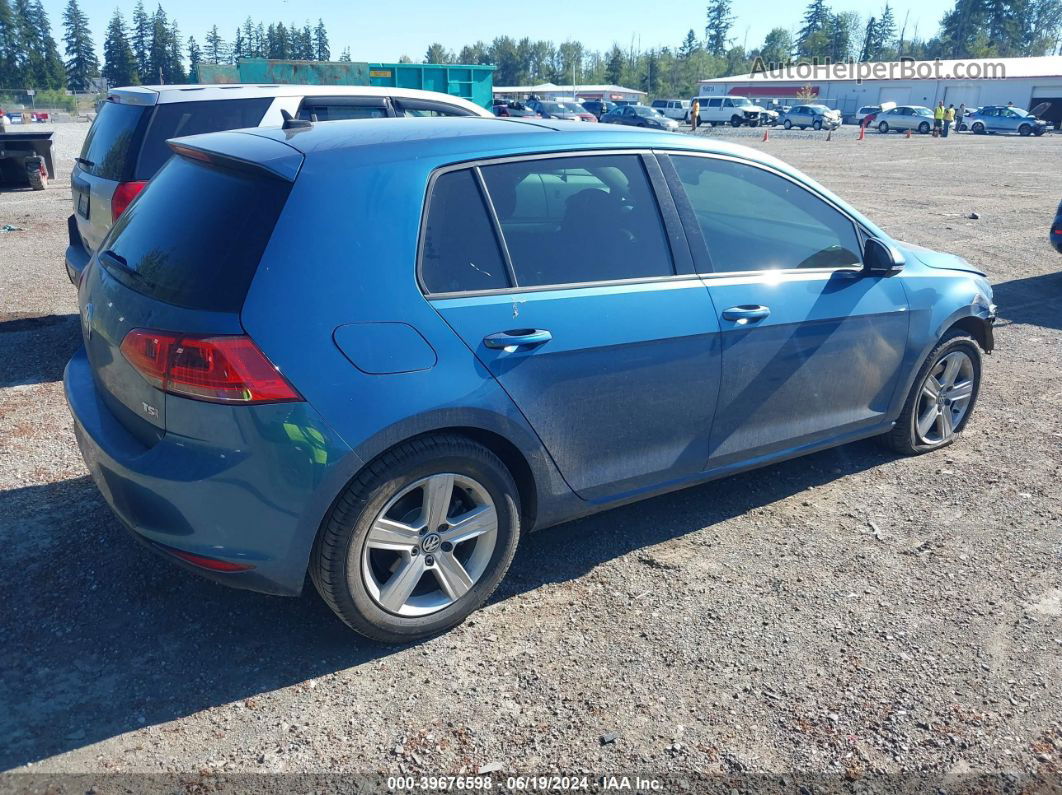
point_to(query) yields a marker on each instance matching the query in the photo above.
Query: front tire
(924, 128)
(816, 125)
(942, 398)
(1025, 131)
(735, 121)
(418, 540)
(978, 128)
(883, 127)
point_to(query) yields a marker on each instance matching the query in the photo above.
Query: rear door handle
(746, 313)
(518, 338)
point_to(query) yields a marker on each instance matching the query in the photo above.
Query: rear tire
(37, 180)
(389, 500)
(787, 124)
(883, 127)
(940, 402)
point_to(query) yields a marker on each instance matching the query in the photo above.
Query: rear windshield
(174, 119)
(195, 235)
(112, 140)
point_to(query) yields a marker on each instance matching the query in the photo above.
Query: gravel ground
(848, 613)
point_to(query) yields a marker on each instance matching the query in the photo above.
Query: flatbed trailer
(26, 158)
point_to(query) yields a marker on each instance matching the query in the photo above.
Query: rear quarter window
(195, 235)
(175, 119)
(110, 147)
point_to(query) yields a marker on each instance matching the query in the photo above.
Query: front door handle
(747, 313)
(517, 338)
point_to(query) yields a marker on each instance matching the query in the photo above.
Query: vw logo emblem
(431, 542)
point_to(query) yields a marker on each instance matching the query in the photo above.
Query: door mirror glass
(881, 258)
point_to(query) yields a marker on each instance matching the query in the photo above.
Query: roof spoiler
(242, 151)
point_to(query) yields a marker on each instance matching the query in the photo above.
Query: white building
(552, 91)
(1026, 82)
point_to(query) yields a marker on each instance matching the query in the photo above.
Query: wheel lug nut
(429, 561)
(447, 546)
(415, 551)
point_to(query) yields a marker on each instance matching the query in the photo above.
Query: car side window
(342, 108)
(579, 219)
(753, 219)
(416, 107)
(460, 251)
(714, 103)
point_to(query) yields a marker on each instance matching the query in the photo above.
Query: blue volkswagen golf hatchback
(379, 353)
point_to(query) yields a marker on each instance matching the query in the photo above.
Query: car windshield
(572, 107)
(642, 110)
(553, 107)
(1019, 112)
(921, 111)
(741, 102)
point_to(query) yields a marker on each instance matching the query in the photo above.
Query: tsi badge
(150, 410)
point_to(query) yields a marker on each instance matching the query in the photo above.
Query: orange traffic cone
(862, 132)
(908, 134)
(766, 134)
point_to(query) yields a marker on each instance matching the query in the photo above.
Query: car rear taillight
(123, 194)
(227, 369)
(203, 562)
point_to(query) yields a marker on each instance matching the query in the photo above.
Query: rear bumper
(257, 501)
(77, 256)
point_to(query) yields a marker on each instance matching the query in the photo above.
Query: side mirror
(880, 258)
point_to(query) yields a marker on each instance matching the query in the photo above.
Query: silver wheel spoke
(467, 526)
(400, 585)
(961, 392)
(452, 575)
(438, 492)
(389, 534)
(931, 388)
(928, 420)
(946, 426)
(952, 362)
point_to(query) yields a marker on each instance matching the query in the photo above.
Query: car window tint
(176, 119)
(111, 141)
(195, 235)
(325, 111)
(579, 219)
(461, 252)
(755, 220)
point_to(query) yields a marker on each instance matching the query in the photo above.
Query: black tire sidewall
(356, 606)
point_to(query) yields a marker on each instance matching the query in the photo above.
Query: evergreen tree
(140, 37)
(11, 72)
(260, 42)
(689, 45)
(884, 32)
(238, 46)
(960, 26)
(28, 51)
(48, 70)
(345, 55)
(717, 30)
(214, 50)
(119, 63)
(195, 57)
(320, 42)
(614, 65)
(175, 59)
(160, 67)
(811, 41)
(437, 54)
(82, 65)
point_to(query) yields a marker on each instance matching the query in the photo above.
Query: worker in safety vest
(938, 118)
(949, 119)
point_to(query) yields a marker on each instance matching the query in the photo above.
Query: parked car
(905, 117)
(1004, 119)
(126, 143)
(1056, 230)
(677, 109)
(865, 115)
(818, 117)
(734, 111)
(515, 110)
(640, 116)
(599, 107)
(392, 413)
(570, 111)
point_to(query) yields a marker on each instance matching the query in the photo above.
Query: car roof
(158, 95)
(465, 136)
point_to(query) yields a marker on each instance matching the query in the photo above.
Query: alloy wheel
(429, 546)
(945, 398)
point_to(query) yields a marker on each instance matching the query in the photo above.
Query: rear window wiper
(117, 261)
(85, 162)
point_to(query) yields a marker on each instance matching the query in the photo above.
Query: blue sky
(385, 31)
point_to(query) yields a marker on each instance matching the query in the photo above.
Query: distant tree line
(149, 48)
(972, 29)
